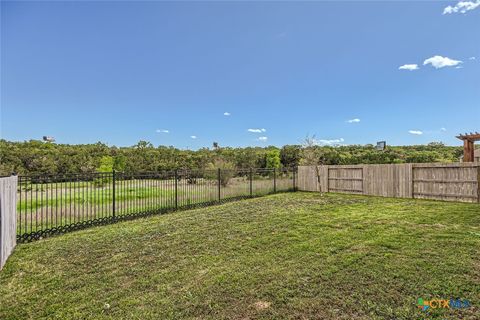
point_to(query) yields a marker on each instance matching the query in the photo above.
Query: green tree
(119, 163)
(106, 164)
(312, 156)
(272, 159)
(37, 157)
(104, 168)
(290, 156)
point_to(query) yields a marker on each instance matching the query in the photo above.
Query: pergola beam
(472, 136)
(468, 145)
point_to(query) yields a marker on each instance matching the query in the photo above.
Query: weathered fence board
(345, 179)
(440, 181)
(307, 178)
(445, 183)
(8, 219)
(392, 180)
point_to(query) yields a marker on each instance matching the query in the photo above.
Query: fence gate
(345, 179)
(445, 183)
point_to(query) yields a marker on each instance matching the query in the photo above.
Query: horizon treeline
(37, 157)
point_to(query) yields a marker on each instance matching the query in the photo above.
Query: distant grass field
(34, 196)
(94, 196)
(44, 206)
(285, 256)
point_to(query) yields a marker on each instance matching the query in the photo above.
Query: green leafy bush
(104, 171)
(227, 171)
(273, 159)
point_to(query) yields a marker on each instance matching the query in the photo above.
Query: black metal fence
(51, 204)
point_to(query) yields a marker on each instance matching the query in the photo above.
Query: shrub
(106, 166)
(227, 171)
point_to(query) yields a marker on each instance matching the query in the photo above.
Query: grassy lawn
(297, 255)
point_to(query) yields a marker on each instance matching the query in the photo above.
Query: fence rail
(50, 204)
(449, 182)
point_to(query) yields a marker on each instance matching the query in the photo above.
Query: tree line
(37, 157)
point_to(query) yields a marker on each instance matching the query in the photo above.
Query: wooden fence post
(293, 178)
(328, 178)
(478, 184)
(363, 179)
(412, 167)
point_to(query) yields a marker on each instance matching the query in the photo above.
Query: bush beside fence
(438, 181)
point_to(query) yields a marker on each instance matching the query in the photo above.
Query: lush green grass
(298, 255)
(93, 196)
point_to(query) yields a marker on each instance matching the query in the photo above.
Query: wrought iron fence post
(219, 182)
(176, 189)
(274, 180)
(113, 191)
(251, 182)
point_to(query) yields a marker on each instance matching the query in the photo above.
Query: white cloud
(410, 67)
(257, 130)
(472, 58)
(462, 7)
(162, 131)
(332, 142)
(443, 129)
(193, 137)
(262, 139)
(439, 62)
(415, 132)
(356, 120)
(226, 114)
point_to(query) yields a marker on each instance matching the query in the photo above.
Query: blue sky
(118, 72)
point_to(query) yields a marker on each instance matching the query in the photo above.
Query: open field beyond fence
(284, 256)
(53, 204)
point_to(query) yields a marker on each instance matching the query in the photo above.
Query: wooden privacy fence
(8, 219)
(439, 181)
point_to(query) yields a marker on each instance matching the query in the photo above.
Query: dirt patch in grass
(262, 305)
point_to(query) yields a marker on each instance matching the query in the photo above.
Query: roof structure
(468, 145)
(469, 136)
